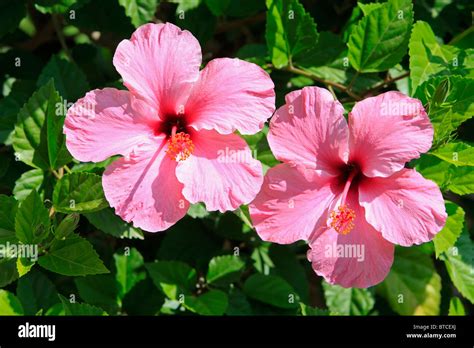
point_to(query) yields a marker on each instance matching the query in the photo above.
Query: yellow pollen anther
(342, 220)
(180, 146)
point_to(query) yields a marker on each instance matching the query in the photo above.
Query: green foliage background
(53, 52)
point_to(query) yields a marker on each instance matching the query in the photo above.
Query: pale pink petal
(231, 94)
(160, 63)
(290, 204)
(310, 130)
(107, 122)
(405, 207)
(143, 189)
(221, 171)
(360, 259)
(387, 131)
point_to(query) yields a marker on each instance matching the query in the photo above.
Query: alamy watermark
(350, 251)
(229, 155)
(400, 108)
(24, 251)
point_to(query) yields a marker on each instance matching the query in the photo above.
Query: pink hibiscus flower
(174, 128)
(343, 187)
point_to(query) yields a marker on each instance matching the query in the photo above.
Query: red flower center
(179, 144)
(342, 218)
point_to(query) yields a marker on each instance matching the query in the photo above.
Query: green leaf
(450, 102)
(367, 8)
(218, 7)
(428, 57)
(93, 167)
(223, 267)
(56, 310)
(24, 265)
(9, 304)
(213, 302)
(457, 153)
(32, 220)
(238, 303)
(456, 307)
(459, 262)
(99, 290)
(35, 292)
(290, 33)
(272, 290)
(8, 210)
(261, 260)
(195, 248)
(106, 221)
(8, 272)
(73, 256)
(69, 80)
(197, 211)
(412, 287)
(30, 136)
(328, 48)
(29, 181)
(133, 303)
(186, 5)
(102, 16)
(67, 226)
(139, 11)
(38, 140)
(313, 311)
(53, 6)
(79, 192)
(81, 309)
(289, 268)
(380, 40)
(446, 238)
(191, 20)
(11, 105)
(459, 180)
(348, 301)
(127, 266)
(173, 278)
(11, 13)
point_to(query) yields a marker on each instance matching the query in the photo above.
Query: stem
(173, 132)
(60, 35)
(332, 92)
(310, 75)
(67, 169)
(239, 23)
(56, 174)
(386, 83)
(353, 81)
(347, 186)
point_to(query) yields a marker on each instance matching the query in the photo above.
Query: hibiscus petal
(290, 204)
(160, 63)
(221, 171)
(143, 189)
(310, 130)
(387, 131)
(107, 122)
(405, 207)
(360, 259)
(231, 94)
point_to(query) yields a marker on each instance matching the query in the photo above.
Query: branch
(60, 35)
(238, 23)
(313, 77)
(386, 83)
